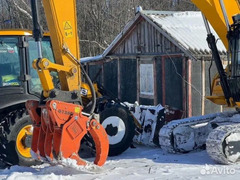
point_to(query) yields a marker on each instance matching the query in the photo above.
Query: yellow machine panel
(61, 17)
(213, 12)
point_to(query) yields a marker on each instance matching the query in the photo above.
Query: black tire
(10, 126)
(118, 141)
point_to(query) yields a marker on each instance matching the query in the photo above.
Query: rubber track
(215, 140)
(166, 138)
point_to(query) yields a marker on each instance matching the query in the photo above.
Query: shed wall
(170, 84)
(93, 71)
(144, 39)
(110, 76)
(177, 82)
(128, 80)
(209, 106)
(159, 79)
(196, 87)
(174, 82)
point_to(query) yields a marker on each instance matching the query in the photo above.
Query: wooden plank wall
(144, 39)
(145, 44)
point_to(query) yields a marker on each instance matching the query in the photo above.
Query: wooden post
(87, 68)
(138, 79)
(119, 78)
(155, 82)
(103, 74)
(189, 88)
(203, 86)
(184, 86)
(163, 82)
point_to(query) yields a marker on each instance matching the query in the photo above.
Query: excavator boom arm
(62, 23)
(213, 12)
(58, 121)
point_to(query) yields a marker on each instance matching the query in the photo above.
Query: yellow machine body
(213, 12)
(61, 18)
(61, 125)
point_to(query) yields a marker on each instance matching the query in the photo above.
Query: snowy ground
(140, 163)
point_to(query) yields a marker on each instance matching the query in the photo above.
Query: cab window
(35, 84)
(9, 62)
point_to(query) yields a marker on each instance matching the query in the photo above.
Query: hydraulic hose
(94, 99)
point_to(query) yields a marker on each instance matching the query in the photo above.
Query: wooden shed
(159, 57)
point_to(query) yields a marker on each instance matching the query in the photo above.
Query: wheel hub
(115, 129)
(111, 131)
(28, 141)
(23, 141)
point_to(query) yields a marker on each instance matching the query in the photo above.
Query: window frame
(150, 66)
(18, 40)
(29, 63)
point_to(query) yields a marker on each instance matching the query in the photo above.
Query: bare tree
(99, 21)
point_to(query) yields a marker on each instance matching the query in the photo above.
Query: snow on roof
(187, 27)
(89, 59)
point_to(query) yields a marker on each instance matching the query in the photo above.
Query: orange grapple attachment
(70, 126)
(32, 107)
(99, 136)
(62, 127)
(49, 132)
(39, 116)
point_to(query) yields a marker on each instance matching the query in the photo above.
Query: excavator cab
(234, 56)
(18, 83)
(35, 84)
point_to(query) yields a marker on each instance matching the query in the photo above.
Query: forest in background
(99, 21)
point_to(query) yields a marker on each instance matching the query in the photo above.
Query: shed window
(146, 79)
(35, 84)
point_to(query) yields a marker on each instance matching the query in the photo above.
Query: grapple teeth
(40, 144)
(60, 129)
(32, 107)
(48, 141)
(100, 137)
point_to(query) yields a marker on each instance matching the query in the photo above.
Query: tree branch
(22, 10)
(95, 42)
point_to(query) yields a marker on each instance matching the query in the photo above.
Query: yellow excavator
(59, 123)
(20, 82)
(220, 132)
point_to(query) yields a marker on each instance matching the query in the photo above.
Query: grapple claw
(99, 135)
(32, 108)
(60, 128)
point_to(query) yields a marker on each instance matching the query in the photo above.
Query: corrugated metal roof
(187, 28)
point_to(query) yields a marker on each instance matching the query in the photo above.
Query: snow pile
(151, 119)
(89, 168)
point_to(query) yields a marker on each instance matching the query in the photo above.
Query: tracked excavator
(219, 132)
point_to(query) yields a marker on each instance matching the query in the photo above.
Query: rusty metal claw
(59, 129)
(99, 136)
(32, 107)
